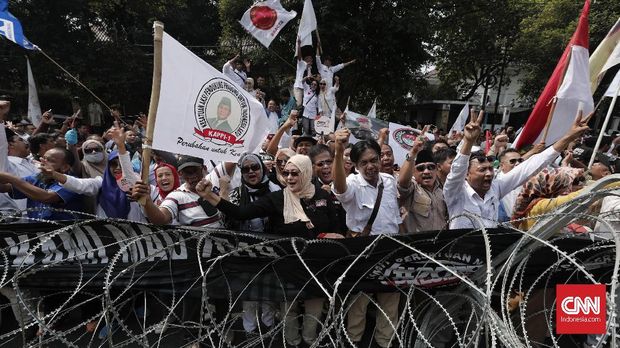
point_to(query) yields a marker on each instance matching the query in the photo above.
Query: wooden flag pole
(158, 33)
(555, 98)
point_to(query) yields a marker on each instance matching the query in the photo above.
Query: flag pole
(73, 77)
(607, 117)
(158, 33)
(555, 98)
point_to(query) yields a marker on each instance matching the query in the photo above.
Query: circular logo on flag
(405, 137)
(263, 17)
(222, 112)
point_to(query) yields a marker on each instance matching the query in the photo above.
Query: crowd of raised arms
(301, 184)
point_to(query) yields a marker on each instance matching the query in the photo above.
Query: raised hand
(139, 190)
(473, 129)
(117, 134)
(292, 120)
(418, 145)
(342, 139)
(47, 117)
(247, 63)
(205, 189)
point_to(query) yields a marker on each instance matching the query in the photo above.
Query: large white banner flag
(307, 24)
(401, 140)
(265, 19)
(202, 112)
(34, 108)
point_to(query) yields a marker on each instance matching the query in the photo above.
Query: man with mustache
(470, 187)
(422, 196)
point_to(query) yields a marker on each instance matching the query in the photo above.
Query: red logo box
(580, 309)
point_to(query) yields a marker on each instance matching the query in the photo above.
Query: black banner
(96, 254)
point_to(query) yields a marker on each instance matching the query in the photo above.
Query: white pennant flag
(265, 19)
(202, 112)
(461, 120)
(372, 113)
(613, 86)
(34, 108)
(307, 24)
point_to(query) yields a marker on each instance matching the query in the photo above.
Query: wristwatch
(408, 157)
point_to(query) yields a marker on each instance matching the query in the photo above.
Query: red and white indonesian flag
(307, 24)
(265, 19)
(202, 112)
(571, 89)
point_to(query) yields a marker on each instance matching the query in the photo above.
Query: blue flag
(11, 28)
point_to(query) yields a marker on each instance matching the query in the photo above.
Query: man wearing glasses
(470, 186)
(508, 160)
(422, 196)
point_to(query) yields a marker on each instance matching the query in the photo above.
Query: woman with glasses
(282, 157)
(327, 96)
(297, 211)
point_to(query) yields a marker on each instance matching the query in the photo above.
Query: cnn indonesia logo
(580, 309)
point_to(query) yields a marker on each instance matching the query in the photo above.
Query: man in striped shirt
(182, 205)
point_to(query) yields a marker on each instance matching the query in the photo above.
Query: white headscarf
(293, 211)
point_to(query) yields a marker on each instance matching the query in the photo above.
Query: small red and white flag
(569, 84)
(265, 19)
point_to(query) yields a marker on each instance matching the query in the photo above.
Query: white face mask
(94, 157)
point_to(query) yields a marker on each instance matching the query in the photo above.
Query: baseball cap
(189, 161)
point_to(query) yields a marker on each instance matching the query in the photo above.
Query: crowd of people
(300, 185)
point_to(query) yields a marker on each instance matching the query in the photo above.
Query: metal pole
(600, 135)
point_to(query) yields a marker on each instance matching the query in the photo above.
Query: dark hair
(9, 134)
(507, 151)
(358, 149)
(591, 141)
(443, 155)
(37, 140)
(388, 145)
(317, 150)
(116, 107)
(284, 92)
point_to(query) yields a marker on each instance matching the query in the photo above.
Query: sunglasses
(323, 84)
(287, 173)
(281, 162)
(325, 163)
(516, 160)
(482, 159)
(92, 150)
(254, 168)
(423, 167)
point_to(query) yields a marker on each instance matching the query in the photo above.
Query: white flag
(372, 113)
(34, 108)
(461, 120)
(613, 86)
(401, 140)
(307, 24)
(202, 112)
(324, 124)
(265, 19)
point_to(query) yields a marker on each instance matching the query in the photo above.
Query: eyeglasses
(515, 160)
(423, 167)
(324, 163)
(281, 162)
(287, 173)
(253, 167)
(92, 150)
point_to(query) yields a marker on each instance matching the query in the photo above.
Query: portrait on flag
(363, 127)
(202, 112)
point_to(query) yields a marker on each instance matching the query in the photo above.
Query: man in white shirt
(233, 69)
(470, 187)
(304, 69)
(358, 194)
(326, 70)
